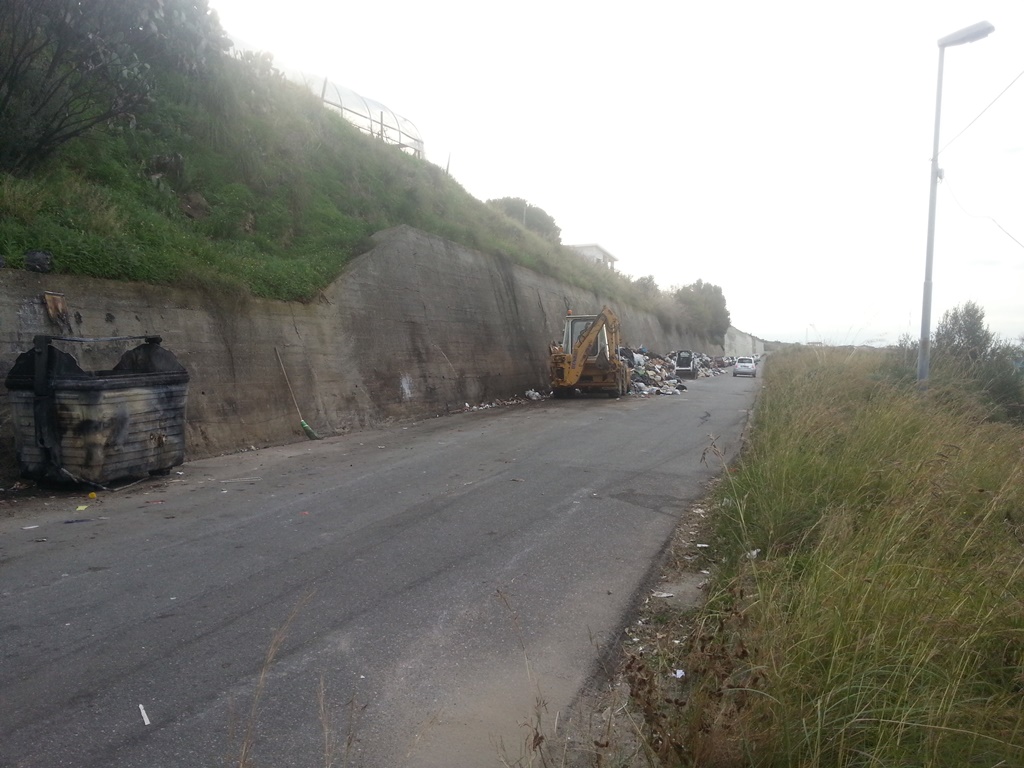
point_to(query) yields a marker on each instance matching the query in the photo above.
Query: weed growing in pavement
(866, 608)
(336, 753)
(247, 744)
(248, 741)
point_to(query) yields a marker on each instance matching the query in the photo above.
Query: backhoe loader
(588, 359)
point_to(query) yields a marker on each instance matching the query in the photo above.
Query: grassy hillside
(241, 181)
(291, 190)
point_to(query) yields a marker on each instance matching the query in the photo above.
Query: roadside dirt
(607, 724)
(26, 497)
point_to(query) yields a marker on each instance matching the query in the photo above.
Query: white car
(745, 367)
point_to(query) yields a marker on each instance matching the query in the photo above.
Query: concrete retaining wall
(738, 344)
(416, 327)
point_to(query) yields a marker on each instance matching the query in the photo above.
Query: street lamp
(966, 35)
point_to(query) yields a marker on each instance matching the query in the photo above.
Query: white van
(686, 365)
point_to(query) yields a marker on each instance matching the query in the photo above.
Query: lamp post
(966, 35)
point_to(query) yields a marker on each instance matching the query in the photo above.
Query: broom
(310, 433)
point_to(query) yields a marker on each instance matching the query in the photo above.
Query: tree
(703, 308)
(963, 335)
(647, 286)
(989, 364)
(533, 218)
(67, 66)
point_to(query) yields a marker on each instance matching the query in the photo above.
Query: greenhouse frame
(373, 118)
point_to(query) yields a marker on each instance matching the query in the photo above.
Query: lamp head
(969, 34)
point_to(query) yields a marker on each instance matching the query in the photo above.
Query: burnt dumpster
(95, 427)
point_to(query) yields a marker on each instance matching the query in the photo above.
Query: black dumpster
(94, 427)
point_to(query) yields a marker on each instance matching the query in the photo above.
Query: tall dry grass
(881, 622)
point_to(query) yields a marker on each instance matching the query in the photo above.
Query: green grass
(293, 192)
(881, 623)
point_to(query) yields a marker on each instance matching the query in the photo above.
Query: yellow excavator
(588, 359)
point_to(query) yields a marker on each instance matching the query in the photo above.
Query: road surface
(403, 597)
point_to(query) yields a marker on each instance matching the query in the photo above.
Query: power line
(1018, 77)
(981, 216)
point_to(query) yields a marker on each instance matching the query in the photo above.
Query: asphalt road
(413, 593)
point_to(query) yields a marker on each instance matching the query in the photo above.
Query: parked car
(686, 365)
(745, 366)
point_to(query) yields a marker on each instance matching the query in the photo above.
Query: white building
(596, 255)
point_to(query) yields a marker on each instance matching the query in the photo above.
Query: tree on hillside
(68, 66)
(530, 216)
(647, 286)
(703, 308)
(184, 35)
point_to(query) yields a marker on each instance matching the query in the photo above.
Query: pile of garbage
(652, 374)
(704, 365)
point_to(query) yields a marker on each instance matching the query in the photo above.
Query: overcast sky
(779, 150)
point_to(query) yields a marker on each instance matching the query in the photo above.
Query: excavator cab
(587, 360)
(576, 328)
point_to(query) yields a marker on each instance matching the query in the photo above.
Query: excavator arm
(587, 340)
(585, 355)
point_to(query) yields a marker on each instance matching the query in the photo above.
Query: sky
(779, 150)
